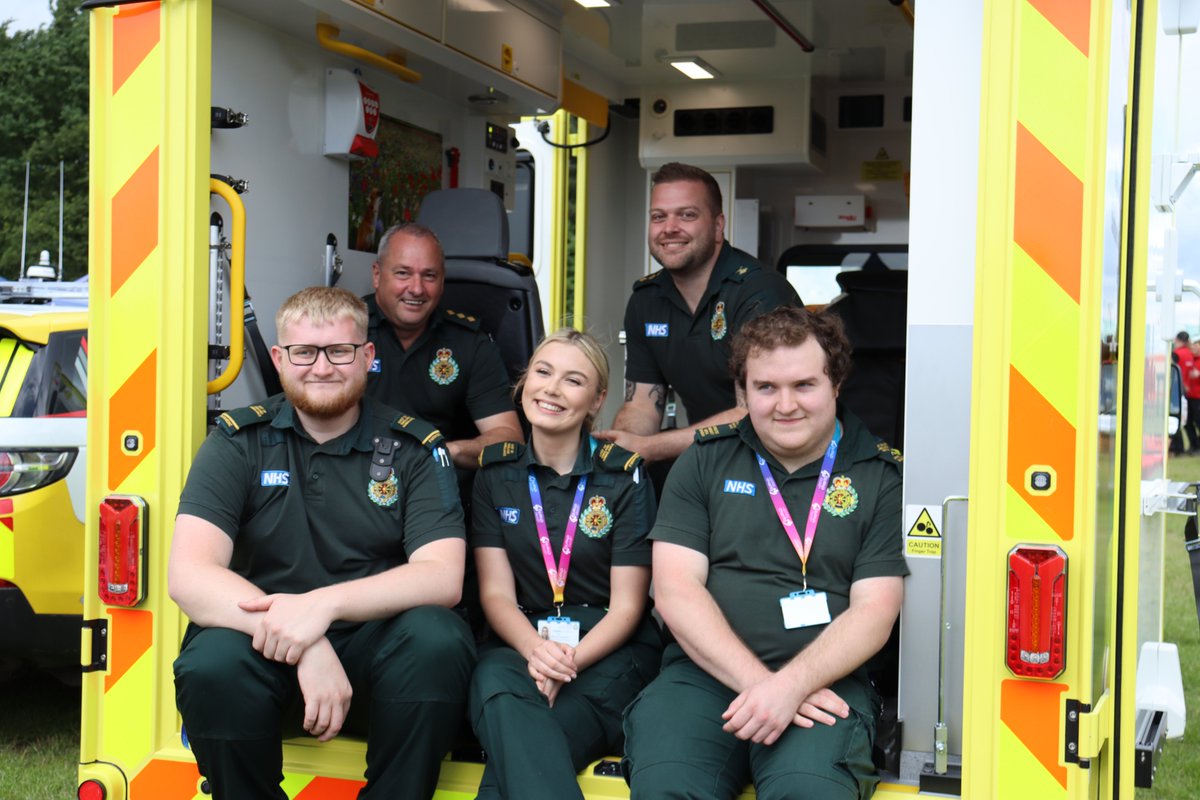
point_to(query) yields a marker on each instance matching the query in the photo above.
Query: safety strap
(262, 355)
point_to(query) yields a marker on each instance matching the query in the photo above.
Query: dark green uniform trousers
(409, 675)
(535, 751)
(675, 747)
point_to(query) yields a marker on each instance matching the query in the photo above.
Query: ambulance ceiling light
(695, 68)
(598, 3)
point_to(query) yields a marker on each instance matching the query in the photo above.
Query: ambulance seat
(480, 280)
(874, 309)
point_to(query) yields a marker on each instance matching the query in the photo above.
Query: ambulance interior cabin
(340, 115)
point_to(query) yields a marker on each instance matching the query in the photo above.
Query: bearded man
(318, 548)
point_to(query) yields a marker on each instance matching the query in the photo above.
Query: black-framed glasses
(304, 355)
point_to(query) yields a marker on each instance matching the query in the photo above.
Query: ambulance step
(1150, 732)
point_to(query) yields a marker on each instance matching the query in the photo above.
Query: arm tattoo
(658, 393)
(629, 386)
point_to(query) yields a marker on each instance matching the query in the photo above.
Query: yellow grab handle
(327, 38)
(237, 285)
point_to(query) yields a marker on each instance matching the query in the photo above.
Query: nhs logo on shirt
(274, 477)
(739, 487)
(509, 516)
(657, 329)
(376, 365)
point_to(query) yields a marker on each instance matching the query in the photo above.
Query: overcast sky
(25, 14)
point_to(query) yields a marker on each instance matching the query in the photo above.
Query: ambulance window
(56, 383)
(813, 270)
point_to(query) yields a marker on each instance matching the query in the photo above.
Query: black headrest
(471, 223)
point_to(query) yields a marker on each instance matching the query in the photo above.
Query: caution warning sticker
(923, 537)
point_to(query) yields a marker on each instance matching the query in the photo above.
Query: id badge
(802, 609)
(563, 630)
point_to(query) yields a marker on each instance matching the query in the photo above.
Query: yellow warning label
(882, 155)
(882, 170)
(923, 538)
(506, 57)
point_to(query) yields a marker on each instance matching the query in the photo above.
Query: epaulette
(743, 272)
(419, 429)
(233, 421)
(889, 453)
(710, 432)
(469, 321)
(647, 280)
(615, 458)
(500, 452)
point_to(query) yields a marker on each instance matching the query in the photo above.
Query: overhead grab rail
(327, 37)
(237, 285)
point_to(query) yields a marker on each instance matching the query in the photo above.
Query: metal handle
(327, 38)
(237, 284)
(941, 739)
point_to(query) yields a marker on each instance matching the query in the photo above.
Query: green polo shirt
(614, 518)
(667, 344)
(304, 515)
(715, 501)
(451, 376)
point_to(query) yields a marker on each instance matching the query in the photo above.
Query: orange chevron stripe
(1072, 18)
(1031, 712)
(131, 634)
(132, 408)
(166, 780)
(134, 221)
(134, 34)
(1038, 434)
(1048, 214)
(330, 789)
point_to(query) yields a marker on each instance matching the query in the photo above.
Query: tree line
(44, 120)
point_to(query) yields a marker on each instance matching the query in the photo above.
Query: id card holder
(563, 630)
(802, 609)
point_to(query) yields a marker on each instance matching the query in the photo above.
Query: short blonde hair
(322, 305)
(592, 351)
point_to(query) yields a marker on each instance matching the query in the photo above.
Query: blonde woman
(559, 538)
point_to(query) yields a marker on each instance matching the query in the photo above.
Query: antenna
(24, 223)
(61, 172)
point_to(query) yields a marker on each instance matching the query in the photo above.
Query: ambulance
(995, 193)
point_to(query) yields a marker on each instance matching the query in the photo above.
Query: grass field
(39, 717)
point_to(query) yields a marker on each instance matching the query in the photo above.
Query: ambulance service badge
(384, 493)
(444, 369)
(597, 520)
(841, 498)
(718, 326)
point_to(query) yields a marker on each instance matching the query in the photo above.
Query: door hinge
(1086, 730)
(93, 645)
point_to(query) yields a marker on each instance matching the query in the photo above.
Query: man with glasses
(318, 547)
(431, 361)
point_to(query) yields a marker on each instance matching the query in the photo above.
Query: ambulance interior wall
(298, 195)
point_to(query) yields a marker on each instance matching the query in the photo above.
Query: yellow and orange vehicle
(995, 190)
(43, 427)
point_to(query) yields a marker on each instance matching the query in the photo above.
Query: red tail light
(91, 790)
(1037, 611)
(122, 564)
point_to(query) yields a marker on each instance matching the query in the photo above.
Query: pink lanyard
(814, 511)
(558, 576)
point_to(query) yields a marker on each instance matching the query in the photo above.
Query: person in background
(318, 545)
(778, 569)
(1181, 355)
(680, 320)
(431, 361)
(559, 537)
